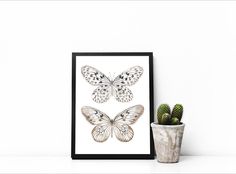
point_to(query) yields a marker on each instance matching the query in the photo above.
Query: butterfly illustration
(104, 126)
(108, 87)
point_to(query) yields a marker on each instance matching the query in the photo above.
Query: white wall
(194, 44)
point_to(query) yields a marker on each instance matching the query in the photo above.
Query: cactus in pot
(168, 133)
(174, 121)
(173, 118)
(177, 112)
(164, 108)
(165, 119)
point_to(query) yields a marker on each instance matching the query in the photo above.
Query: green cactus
(163, 108)
(177, 112)
(165, 119)
(174, 121)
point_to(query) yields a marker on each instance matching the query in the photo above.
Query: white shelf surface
(187, 164)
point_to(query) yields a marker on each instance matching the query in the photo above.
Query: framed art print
(112, 105)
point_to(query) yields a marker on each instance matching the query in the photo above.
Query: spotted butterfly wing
(126, 78)
(122, 130)
(130, 76)
(96, 78)
(102, 130)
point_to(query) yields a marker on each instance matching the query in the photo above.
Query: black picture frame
(151, 95)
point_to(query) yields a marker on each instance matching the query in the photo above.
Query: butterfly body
(120, 125)
(108, 87)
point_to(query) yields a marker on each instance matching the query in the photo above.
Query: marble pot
(167, 140)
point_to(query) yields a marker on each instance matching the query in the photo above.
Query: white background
(112, 66)
(194, 62)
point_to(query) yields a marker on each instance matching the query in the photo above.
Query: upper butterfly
(107, 87)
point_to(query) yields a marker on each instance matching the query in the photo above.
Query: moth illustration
(108, 87)
(104, 126)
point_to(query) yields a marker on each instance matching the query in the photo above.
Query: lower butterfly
(105, 127)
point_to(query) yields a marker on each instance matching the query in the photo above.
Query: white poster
(112, 105)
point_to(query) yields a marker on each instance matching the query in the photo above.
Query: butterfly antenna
(114, 76)
(110, 76)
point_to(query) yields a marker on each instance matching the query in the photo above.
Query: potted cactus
(168, 133)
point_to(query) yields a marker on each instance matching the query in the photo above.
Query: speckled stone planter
(167, 139)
